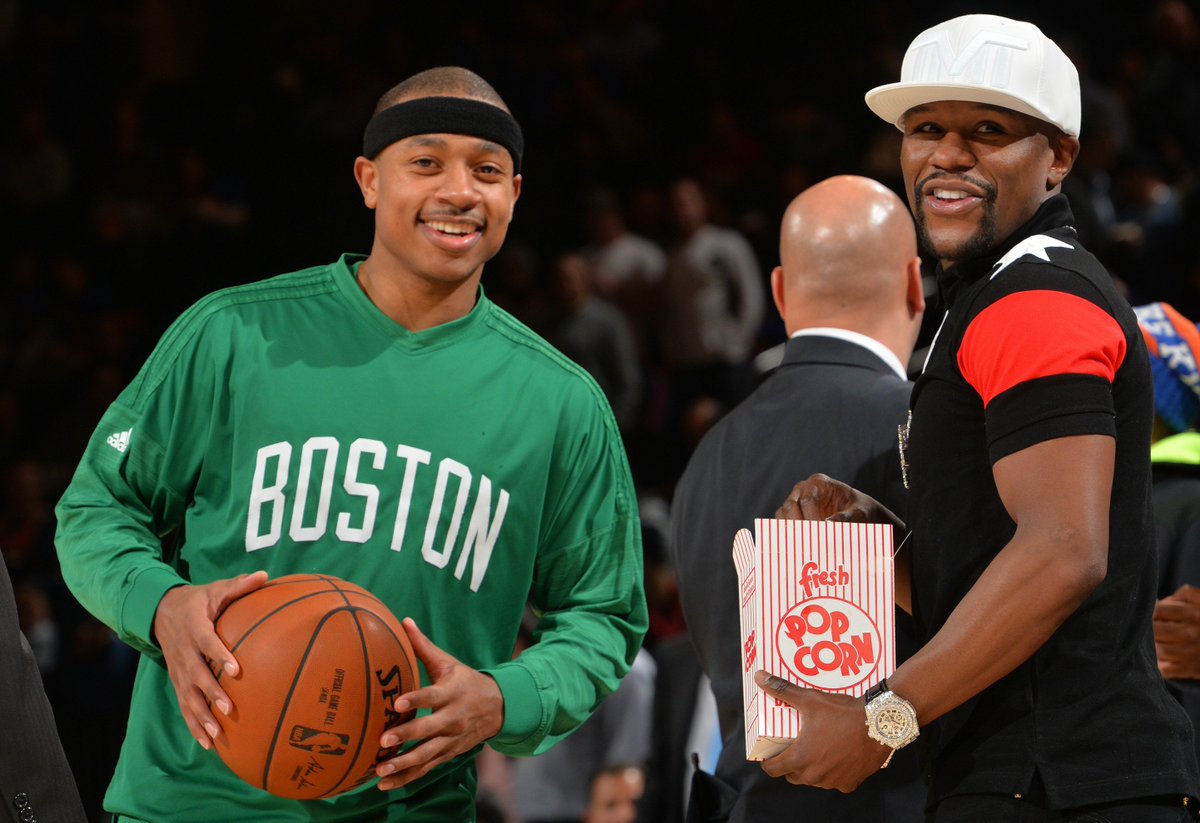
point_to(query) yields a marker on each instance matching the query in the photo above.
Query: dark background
(155, 151)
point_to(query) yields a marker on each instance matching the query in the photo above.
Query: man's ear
(1066, 149)
(516, 195)
(366, 174)
(777, 291)
(915, 296)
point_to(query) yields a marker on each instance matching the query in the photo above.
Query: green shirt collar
(345, 272)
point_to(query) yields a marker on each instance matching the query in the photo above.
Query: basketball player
(379, 419)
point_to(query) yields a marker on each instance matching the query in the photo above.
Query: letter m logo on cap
(937, 61)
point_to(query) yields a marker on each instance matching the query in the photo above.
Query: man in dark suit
(850, 295)
(35, 780)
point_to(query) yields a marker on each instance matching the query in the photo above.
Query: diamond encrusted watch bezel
(892, 721)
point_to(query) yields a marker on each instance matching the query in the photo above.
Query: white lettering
(298, 531)
(273, 493)
(412, 457)
(935, 59)
(261, 495)
(446, 468)
(482, 534)
(367, 491)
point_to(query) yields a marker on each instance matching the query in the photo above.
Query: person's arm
(465, 707)
(111, 520)
(184, 629)
(129, 493)
(1057, 492)
(627, 717)
(625, 372)
(587, 588)
(743, 269)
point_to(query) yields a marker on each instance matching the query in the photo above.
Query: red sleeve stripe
(1034, 334)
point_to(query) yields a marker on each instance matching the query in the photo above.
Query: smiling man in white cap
(1032, 546)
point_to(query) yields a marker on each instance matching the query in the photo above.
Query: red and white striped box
(817, 609)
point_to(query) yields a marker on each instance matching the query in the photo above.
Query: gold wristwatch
(891, 720)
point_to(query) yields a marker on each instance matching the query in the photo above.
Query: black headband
(444, 115)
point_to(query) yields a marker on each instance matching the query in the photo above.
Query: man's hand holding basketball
(184, 628)
(466, 709)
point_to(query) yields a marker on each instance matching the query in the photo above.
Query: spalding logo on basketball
(828, 643)
(322, 662)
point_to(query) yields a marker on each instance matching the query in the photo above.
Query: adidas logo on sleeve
(120, 440)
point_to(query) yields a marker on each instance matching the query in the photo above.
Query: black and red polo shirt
(1038, 344)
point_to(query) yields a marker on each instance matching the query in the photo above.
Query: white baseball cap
(982, 58)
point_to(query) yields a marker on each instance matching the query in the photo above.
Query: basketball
(322, 661)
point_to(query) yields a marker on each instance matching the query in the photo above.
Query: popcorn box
(817, 609)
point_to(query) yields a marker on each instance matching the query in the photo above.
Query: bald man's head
(848, 253)
(845, 239)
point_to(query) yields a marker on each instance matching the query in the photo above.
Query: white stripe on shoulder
(1038, 246)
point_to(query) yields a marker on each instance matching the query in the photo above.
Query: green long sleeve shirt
(457, 473)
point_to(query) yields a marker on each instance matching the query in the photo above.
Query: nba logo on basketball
(316, 740)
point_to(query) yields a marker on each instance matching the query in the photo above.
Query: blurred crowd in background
(160, 149)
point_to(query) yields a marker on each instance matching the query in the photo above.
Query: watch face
(894, 723)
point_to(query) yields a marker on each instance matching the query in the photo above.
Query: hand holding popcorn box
(817, 609)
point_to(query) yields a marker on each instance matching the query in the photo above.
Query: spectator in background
(593, 333)
(601, 767)
(26, 518)
(615, 794)
(36, 612)
(712, 305)
(849, 292)
(1089, 187)
(1148, 239)
(1174, 345)
(627, 268)
(1166, 101)
(662, 589)
(36, 170)
(516, 284)
(728, 158)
